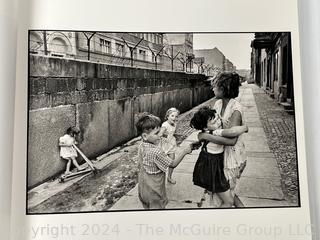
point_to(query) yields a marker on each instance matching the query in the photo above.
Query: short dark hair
(200, 119)
(147, 122)
(69, 130)
(230, 83)
(73, 130)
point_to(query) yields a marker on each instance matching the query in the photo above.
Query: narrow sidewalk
(259, 186)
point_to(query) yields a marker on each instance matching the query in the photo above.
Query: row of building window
(106, 47)
(150, 37)
(58, 47)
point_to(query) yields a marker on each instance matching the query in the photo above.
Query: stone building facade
(53, 43)
(271, 66)
(143, 50)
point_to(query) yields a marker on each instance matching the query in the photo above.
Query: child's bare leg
(237, 202)
(170, 180)
(74, 161)
(170, 170)
(227, 199)
(211, 202)
(68, 166)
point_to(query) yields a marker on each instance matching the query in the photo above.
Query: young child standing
(209, 168)
(153, 163)
(169, 145)
(67, 151)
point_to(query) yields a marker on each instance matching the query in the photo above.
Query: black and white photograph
(136, 121)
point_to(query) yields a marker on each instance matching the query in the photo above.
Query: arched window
(58, 47)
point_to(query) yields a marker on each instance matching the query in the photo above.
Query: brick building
(214, 60)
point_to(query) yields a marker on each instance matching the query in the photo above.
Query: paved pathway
(259, 186)
(279, 126)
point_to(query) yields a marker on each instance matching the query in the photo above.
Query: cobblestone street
(279, 127)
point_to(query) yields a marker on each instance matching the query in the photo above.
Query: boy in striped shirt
(153, 163)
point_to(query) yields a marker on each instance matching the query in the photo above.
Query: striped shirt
(154, 160)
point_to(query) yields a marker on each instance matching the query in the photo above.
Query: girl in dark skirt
(208, 171)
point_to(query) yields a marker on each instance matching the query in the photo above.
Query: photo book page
(159, 120)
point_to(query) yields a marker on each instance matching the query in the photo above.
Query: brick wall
(102, 100)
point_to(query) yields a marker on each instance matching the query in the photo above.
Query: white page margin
(211, 16)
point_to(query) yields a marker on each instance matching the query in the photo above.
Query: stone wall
(102, 100)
